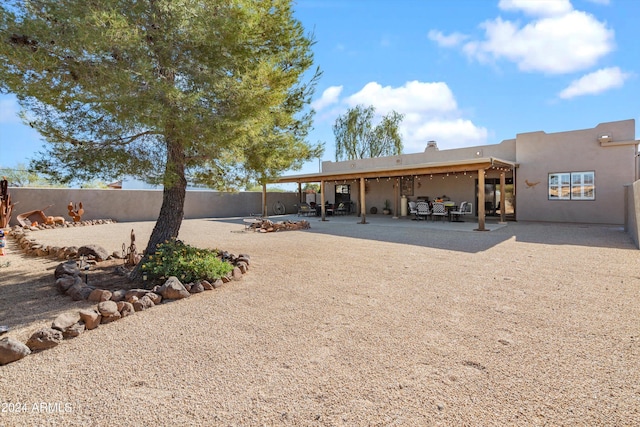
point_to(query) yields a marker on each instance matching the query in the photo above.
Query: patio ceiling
(405, 170)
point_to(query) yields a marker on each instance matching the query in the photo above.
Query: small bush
(187, 263)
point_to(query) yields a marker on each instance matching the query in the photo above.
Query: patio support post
(481, 212)
(363, 206)
(502, 198)
(300, 199)
(395, 198)
(322, 206)
(265, 214)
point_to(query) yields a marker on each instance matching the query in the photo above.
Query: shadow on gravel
(459, 236)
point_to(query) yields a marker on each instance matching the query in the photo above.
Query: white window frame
(572, 185)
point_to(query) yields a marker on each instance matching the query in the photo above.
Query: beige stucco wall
(144, 205)
(632, 212)
(540, 153)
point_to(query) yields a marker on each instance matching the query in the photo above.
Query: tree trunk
(172, 210)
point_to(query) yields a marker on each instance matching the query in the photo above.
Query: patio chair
(422, 210)
(466, 208)
(340, 210)
(306, 210)
(438, 210)
(413, 209)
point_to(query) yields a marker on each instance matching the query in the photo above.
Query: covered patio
(479, 166)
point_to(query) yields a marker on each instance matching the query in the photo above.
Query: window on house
(572, 186)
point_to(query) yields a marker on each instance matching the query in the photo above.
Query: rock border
(111, 305)
(32, 247)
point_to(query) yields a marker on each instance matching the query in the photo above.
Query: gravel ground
(390, 323)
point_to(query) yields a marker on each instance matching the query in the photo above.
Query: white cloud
(9, 109)
(453, 39)
(537, 7)
(559, 44)
(430, 113)
(596, 82)
(329, 96)
(412, 96)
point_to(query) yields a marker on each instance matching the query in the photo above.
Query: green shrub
(188, 264)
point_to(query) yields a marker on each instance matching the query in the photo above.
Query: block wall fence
(143, 205)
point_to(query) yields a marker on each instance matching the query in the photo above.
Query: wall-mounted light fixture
(604, 138)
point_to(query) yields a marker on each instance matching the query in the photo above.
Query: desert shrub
(187, 263)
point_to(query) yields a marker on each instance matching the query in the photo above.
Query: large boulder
(12, 350)
(44, 339)
(94, 251)
(173, 289)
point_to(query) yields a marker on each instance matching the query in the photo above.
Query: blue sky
(464, 72)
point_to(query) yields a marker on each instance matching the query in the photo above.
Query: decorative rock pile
(267, 226)
(111, 305)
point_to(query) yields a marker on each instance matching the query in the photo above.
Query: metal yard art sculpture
(6, 207)
(76, 212)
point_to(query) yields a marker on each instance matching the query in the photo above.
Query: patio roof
(403, 170)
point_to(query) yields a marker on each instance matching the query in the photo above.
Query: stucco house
(575, 176)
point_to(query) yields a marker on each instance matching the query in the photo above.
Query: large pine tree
(207, 91)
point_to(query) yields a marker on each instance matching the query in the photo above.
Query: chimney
(431, 146)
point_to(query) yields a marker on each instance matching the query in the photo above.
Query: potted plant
(387, 208)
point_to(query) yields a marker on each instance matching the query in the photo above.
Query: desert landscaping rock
(217, 283)
(143, 304)
(91, 318)
(74, 330)
(206, 285)
(75, 288)
(196, 288)
(12, 350)
(126, 308)
(139, 293)
(156, 298)
(85, 292)
(100, 295)
(111, 318)
(69, 268)
(173, 289)
(44, 339)
(118, 295)
(65, 320)
(107, 308)
(63, 283)
(96, 252)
